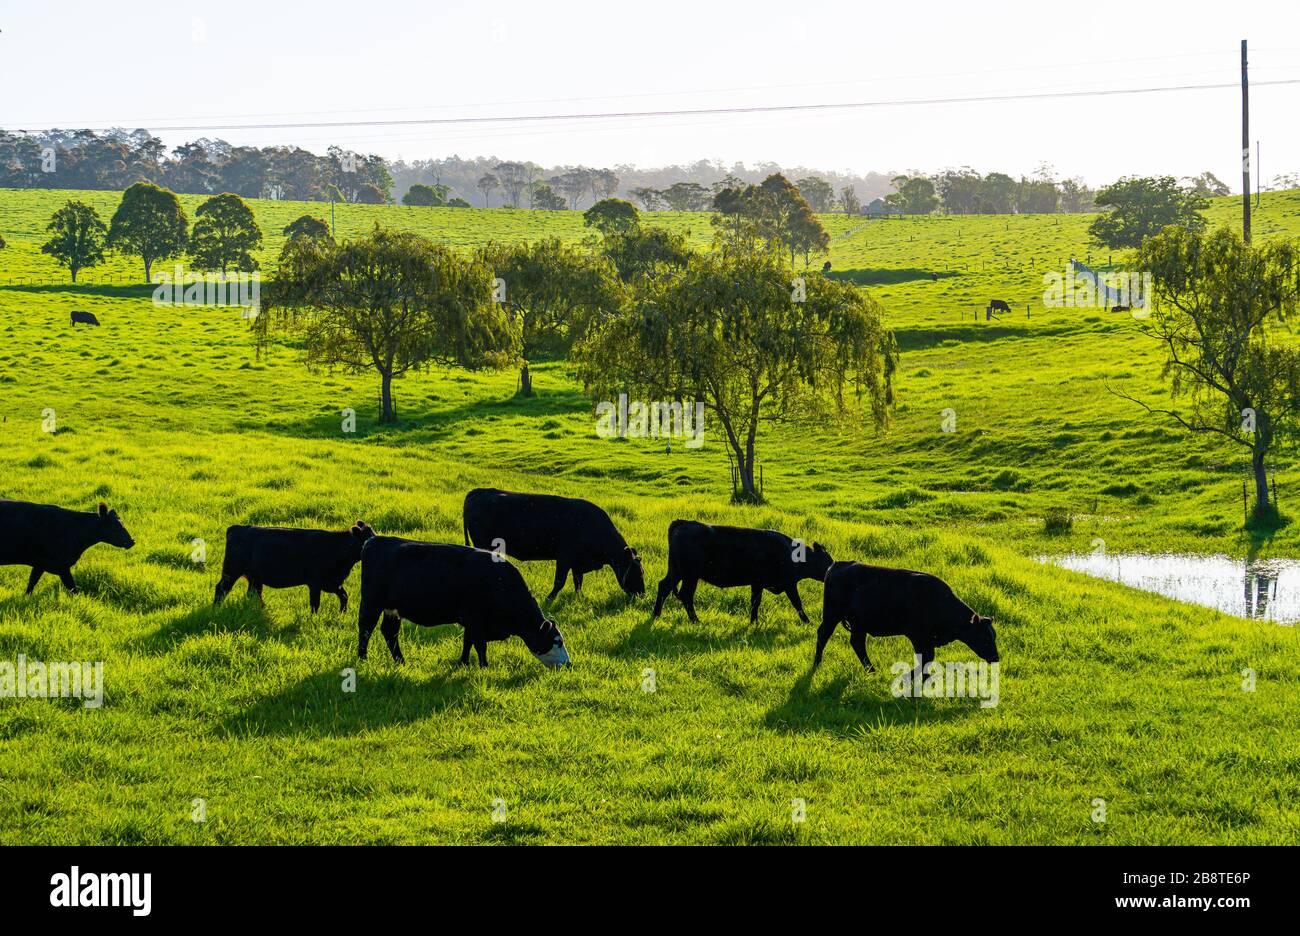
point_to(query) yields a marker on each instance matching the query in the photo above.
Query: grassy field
(172, 418)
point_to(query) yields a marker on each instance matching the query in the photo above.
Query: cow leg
(366, 622)
(577, 582)
(666, 586)
(223, 587)
(824, 633)
(561, 573)
(687, 595)
(391, 628)
(255, 588)
(315, 599)
(464, 649)
(66, 578)
(793, 594)
(927, 657)
(343, 598)
(858, 641)
(755, 597)
(34, 578)
(480, 647)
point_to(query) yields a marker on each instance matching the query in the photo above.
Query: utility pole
(1245, 148)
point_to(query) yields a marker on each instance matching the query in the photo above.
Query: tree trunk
(73, 271)
(525, 381)
(147, 264)
(386, 414)
(1261, 483)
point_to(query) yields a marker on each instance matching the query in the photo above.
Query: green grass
(171, 417)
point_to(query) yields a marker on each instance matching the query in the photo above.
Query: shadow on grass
(672, 634)
(246, 615)
(418, 424)
(884, 276)
(834, 706)
(108, 290)
(319, 705)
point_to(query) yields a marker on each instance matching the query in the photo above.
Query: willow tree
(551, 291)
(390, 302)
(1219, 312)
(752, 341)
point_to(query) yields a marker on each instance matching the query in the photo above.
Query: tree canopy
(77, 236)
(1140, 208)
(225, 235)
(149, 223)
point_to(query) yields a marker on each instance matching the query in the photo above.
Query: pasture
(172, 417)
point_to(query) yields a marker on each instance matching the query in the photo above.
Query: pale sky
(160, 64)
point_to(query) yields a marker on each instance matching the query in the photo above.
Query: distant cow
(85, 318)
(731, 557)
(998, 305)
(437, 583)
(1121, 308)
(280, 557)
(934, 277)
(575, 533)
(52, 539)
(892, 602)
(826, 267)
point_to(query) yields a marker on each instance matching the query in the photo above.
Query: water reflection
(1268, 589)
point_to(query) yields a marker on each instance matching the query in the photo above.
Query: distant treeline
(116, 159)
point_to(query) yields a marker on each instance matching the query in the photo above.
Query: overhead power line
(711, 111)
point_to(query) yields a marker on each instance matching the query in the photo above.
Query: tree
(542, 197)
(487, 184)
(149, 223)
(997, 194)
(611, 216)
(514, 178)
(370, 194)
(458, 203)
(307, 226)
(1218, 306)
(1142, 208)
(425, 196)
(391, 302)
(552, 292)
(651, 199)
(77, 237)
(849, 202)
(572, 183)
(913, 195)
(730, 333)
(1207, 185)
(646, 252)
(225, 234)
(807, 236)
(1076, 197)
(817, 192)
(685, 196)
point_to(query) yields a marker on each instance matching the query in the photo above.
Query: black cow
(279, 557)
(575, 533)
(897, 602)
(52, 539)
(999, 305)
(86, 318)
(730, 557)
(438, 583)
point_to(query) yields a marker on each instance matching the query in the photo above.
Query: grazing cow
(575, 533)
(897, 602)
(999, 305)
(730, 557)
(826, 267)
(52, 539)
(437, 583)
(1121, 308)
(279, 557)
(934, 277)
(85, 318)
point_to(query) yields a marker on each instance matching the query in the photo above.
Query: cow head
(631, 576)
(111, 530)
(547, 643)
(817, 562)
(979, 635)
(361, 531)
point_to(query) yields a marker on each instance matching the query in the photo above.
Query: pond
(1268, 589)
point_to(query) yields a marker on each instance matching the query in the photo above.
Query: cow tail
(464, 528)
